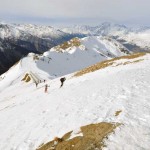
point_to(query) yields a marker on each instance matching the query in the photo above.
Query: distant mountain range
(135, 39)
(17, 40)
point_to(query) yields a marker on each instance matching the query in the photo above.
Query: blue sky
(92, 12)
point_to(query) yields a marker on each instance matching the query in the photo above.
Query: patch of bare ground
(93, 137)
(117, 113)
(110, 62)
(129, 62)
(26, 78)
(35, 57)
(73, 42)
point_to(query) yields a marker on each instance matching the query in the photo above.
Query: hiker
(36, 84)
(62, 80)
(44, 81)
(46, 88)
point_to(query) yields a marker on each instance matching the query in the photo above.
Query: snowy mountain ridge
(137, 36)
(17, 40)
(106, 28)
(89, 51)
(15, 30)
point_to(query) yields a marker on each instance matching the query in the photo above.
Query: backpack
(62, 79)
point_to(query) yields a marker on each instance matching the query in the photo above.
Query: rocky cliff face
(10, 53)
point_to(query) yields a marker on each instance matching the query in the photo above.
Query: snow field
(30, 117)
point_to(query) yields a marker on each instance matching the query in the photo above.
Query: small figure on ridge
(62, 80)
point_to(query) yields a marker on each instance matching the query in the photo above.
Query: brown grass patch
(26, 78)
(129, 62)
(35, 57)
(118, 112)
(107, 63)
(93, 136)
(73, 42)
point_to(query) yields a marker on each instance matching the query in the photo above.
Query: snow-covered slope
(30, 117)
(106, 46)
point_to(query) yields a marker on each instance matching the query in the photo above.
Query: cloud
(118, 10)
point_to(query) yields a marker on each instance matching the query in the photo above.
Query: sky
(61, 12)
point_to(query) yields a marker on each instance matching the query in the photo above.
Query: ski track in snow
(30, 117)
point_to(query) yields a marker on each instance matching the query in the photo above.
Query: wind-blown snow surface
(30, 117)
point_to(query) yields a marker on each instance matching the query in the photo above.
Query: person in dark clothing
(62, 80)
(46, 87)
(36, 84)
